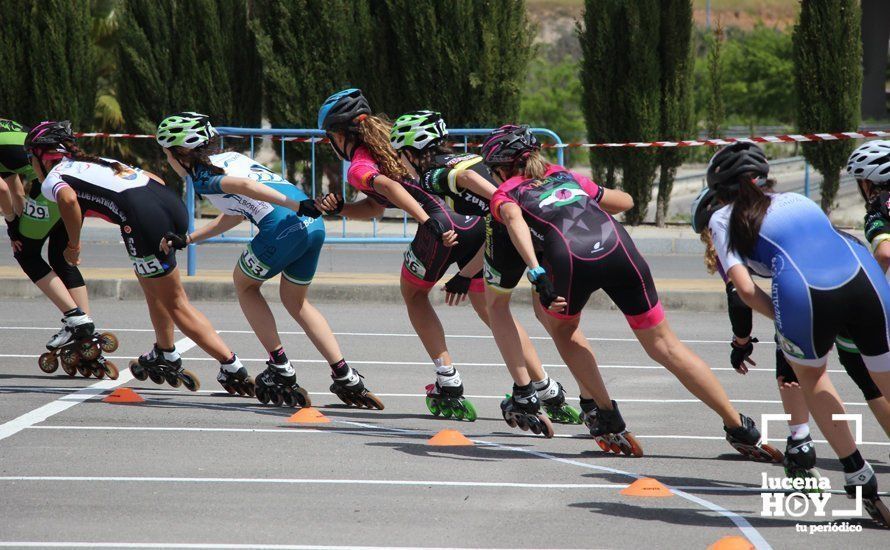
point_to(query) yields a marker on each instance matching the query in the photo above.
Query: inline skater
(800, 452)
(443, 237)
(817, 275)
(466, 184)
(583, 249)
(31, 222)
(289, 241)
(145, 209)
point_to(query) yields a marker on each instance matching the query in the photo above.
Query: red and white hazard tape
(787, 138)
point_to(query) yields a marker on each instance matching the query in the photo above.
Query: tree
(715, 108)
(621, 78)
(59, 44)
(828, 83)
(246, 74)
(15, 92)
(676, 121)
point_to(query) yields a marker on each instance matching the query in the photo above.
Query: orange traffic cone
(449, 438)
(732, 543)
(309, 415)
(123, 395)
(646, 487)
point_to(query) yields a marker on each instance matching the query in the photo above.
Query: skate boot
(608, 429)
(352, 391)
(278, 385)
(446, 398)
(524, 410)
(235, 379)
(746, 440)
(865, 479)
(78, 342)
(552, 395)
(800, 461)
(163, 366)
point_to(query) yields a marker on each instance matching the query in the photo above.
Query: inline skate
(800, 461)
(746, 440)
(278, 385)
(523, 409)
(609, 430)
(163, 366)
(446, 397)
(553, 397)
(235, 379)
(871, 502)
(351, 390)
(79, 349)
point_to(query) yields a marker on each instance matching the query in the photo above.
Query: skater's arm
(72, 217)
(364, 209)
(520, 234)
(615, 201)
(258, 191)
(475, 183)
(221, 224)
(12, 196)
(749, 292)
(474, 266)
(882, 255)
(397, 195)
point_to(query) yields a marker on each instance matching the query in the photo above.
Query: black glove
(544, 287)
(176, 240)
(12, 229)
(435, 227)
(340, 203)
(307, 208)
(740, 353)
(458, 285)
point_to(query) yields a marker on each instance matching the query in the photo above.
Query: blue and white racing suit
(823, 282)
(287, 243)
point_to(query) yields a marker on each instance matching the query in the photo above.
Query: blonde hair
(710, 251)
(373, 131)
(534, 166)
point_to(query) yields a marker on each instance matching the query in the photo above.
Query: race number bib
(252, 265)
(147, 267)
(35, 210)
(413, 265)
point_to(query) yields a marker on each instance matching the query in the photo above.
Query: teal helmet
(186, 129)
(418, 130)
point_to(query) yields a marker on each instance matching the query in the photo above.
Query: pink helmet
(47, 139)
(508, 144)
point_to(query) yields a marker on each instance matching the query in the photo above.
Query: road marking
(750, 532)
(65, 402)
(393, 335)
(203, 546)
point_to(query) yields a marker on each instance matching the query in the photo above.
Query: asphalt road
(199, 470)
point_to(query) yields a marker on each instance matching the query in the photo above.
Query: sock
(799, 431)
(73, 312)
(442, 368)
(542, 383)
(853, 463)
(340, 368)
(278, 356)
(170, 354)
(232, 365)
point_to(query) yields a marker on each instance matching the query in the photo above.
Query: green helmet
(418, 129)
(186, 129)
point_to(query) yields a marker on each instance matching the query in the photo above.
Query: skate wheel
(277, 398)
(48, 362)
(89, 351)
(156, 377)
(433, 407)
(630, 446)
(262, 395)
(288, 397)
(84, 370)
(535, 428)
(509, 420)
(137, 371)
(546, 426)
(111, 370)
(302, 396)
(249, 387)
(372, 402)
(573, 416)
(458, 413)
(446, 410)
(108, 342)
(70, 370)
(603, 444)
(189, 380)
(229, 388)
(469, 412)
(97, 369)
(774, 454)
(69, 357)
(878, 511)
(172, 379)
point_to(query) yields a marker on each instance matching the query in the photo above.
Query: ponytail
(534, 166)
(749, 208)
(75, 153)
(710, 251)
(373, 131)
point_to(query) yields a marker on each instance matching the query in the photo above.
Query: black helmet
(734, 160)
(49, 135)
(341, 108)
(703, 207)
(508, 144)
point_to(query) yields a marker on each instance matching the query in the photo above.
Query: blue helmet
(341, 108)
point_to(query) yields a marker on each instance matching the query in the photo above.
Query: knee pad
(855, 367)
(740, 315)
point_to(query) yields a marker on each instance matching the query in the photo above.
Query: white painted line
(393, 335)
(64, 403)
(207, 546)
(750, 532)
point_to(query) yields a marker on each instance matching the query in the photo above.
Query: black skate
(79, 348)
(800, 462)
(553, 398)
(238, 382)
(746, 440)
(446, 397)
(527, 415)
(352, 391)
(609, 430)
(871, 502)
(154, 366)
(272, 385)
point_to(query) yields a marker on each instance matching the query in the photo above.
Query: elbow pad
(740, 315)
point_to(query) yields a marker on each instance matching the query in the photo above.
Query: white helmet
(871, 161)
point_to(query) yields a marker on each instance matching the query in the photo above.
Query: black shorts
(503, 267)
(30, 258)
(623, 274)
(427, 259)
(158, 211)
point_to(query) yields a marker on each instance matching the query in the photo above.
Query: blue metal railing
(251, 134)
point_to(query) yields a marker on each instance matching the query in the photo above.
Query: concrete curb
(387, 292)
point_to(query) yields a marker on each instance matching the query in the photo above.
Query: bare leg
(793, 402)
(256, 310)
(579, 357)
(506, 335)
(293, 297)
(880, 407)
(425, 321)
(160, 319)
(547, 322)
(823, 401)
(54, 289)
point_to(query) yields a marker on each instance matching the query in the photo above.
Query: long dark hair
(427, 158)
(199, 156)
(749, 206)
